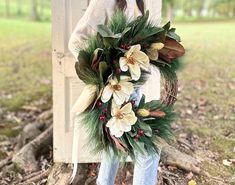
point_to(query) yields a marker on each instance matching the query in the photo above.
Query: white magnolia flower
(121, 90)
(134, 59)
(122, 119)
(153, 50)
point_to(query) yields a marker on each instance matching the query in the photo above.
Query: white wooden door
(66, 85)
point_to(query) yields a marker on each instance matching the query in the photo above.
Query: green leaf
(102, 69)
(104, 31)
(142, 101)
(152, 105)
(147, 129)
(174, 36)
(167, 26)
(135, 145)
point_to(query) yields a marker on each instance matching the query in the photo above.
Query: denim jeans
(145, 169)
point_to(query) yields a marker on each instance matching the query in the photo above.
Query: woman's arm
(96, 13)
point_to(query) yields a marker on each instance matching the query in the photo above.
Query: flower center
(131, 60)
(117, 87)
(119, 115)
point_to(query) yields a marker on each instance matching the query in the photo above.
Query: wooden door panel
(66, 85)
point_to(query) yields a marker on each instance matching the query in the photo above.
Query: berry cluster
(102, 117)
(125, 46)
(140, 133)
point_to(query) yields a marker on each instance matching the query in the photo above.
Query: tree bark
(19, 4)
(7, 8)
(34, 10)
(25, 159)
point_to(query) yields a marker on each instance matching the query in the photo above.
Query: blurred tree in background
(40, 10)
(198, 9)
(37, 10)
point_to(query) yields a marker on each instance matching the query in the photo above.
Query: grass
(25, 62)
(25, 68)
(210, 60)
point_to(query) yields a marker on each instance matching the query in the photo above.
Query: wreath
(112, 65)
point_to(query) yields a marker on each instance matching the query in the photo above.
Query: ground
(205, 106)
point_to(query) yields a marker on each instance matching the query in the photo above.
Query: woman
(99, 12)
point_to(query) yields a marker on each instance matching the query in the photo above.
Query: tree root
(172, 156)
(25, 159)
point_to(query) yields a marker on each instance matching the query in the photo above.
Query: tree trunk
(34, 10)
(7, 8)
(19, 7)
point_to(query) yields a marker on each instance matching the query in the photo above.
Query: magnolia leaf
(83, 69)
(85, 99)
(109, 38)
(120, 145)
(174, 36)
(104, 31)
(167, 26)
(152, 105)
(142, 101)
(135, 145)
(172, 50)
(102, 69)
(146, 128)
(96, 58)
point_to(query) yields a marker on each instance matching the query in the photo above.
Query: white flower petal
(126, 128)
(142, 59)
(115, 131)
(135, 71)
(107, 93)
(131, 118)
(111, 122)
(126, 108)
(115, 108)
(135, 48)
(127, 87)
(123, 63)
(119, 97)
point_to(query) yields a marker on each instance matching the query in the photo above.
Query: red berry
(122, 46)
(137, 136)
(99, 103)
(140, 132)
(133, 102)
(146, 45)
(102, 117)
(127, 46)
(118, 71)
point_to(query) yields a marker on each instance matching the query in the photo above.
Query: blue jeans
(145, 169)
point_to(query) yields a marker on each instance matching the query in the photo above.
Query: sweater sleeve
(155, 11)
(95, 14)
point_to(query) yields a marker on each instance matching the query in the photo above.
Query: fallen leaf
(192, 182)
(227, 162)
(189, 175)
